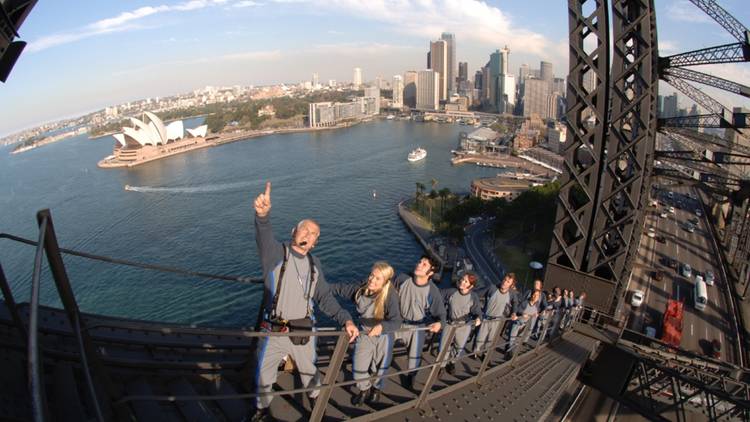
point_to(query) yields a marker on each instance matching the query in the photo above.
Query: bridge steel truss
(607, 163)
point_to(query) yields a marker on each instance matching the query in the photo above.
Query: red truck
(672, 329)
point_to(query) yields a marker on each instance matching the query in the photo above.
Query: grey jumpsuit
(372, 355)
(420, 306)
(292, 304)
(462, 309)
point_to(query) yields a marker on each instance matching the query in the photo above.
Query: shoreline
(218, 140)
(506, 162)
(419, 230)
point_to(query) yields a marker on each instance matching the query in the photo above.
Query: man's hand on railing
(263, 202)
(352, 330)
(477, 322)
(434, 327)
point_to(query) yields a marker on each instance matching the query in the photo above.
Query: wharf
(421, 229)
(501, 161)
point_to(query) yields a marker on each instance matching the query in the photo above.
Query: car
(698, 278)
(690, 228)
(659, 275)
(710, 278)
(668, 262)
(637, 299)
(671, 210)
(698, 213)
(686, 271)
(663, 214)
(651, 232)
(650, 332)
(653, 203)
(694, 220)
(670, 194)
(661, 239)
(716, 349)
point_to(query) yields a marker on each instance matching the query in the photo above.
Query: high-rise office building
(508, 90)
(504, 60)
(536, 93)
(495, 82)
(523, 73)
(357, 78)
(315, 81)
(463, 71)
(439, 63)
(545, 72)
(558, 85)
(398, 91)
(410, 89)
(670, 106)
(428, 89)
(374, 92)
(486, 85)
(478, 80)
(450, 71)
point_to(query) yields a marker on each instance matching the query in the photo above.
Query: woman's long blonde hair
(387, 272)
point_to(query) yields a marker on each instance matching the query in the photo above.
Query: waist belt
(412, 322)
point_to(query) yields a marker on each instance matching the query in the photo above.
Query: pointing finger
(268, 189)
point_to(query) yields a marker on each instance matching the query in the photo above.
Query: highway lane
(696, 249)
(487, 267)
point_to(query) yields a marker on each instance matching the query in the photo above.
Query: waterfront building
(439, 63)
(428, 89)
(328, 114)
(357, 78)
(398, 91)
(498, 187)
(374, 92)
(450, 71)
(150, 137)
(410, 89)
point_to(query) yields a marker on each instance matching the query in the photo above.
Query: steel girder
(607, 164)
(727, 53)
(710, 80)
(700, 97)
(740, 120)
(703, 139)
(727, 21)
(584, 150)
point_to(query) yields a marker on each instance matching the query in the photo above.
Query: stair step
(193, 411)
(150, 410)
(68, 403)
(234, 409)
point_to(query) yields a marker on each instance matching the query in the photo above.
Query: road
(697, 250)
(486, 265)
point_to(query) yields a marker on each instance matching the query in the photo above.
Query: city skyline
(111, 54)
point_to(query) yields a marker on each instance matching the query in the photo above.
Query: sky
(85, 55)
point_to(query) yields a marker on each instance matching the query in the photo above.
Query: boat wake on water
(217, 187)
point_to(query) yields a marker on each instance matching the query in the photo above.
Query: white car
(651, 232)
(637, 299)
(710, 278)
(671, 210)
(698, 213)
(663, 214)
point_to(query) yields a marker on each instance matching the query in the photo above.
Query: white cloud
(250, 56)
(246, 3)
(667, 48)
(684, 11)
(125, 21)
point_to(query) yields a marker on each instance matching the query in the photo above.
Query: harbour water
(194, 211)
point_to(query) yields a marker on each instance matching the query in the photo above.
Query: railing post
(36, 386)
(490, 350)
(422, 400)
(542, 334)
(11, 304)
(64, 290)
(334, 367)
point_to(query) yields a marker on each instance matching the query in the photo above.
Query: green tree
(444, 193)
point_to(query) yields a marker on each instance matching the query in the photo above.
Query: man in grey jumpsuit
(301, 286)
(499, 303)
(464, 310)
(421, 306)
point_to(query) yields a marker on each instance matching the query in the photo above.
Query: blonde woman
(378, 314)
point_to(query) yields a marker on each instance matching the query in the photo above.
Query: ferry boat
(128, 187)
(417, 154)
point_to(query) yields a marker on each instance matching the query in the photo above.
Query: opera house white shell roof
(151, 131)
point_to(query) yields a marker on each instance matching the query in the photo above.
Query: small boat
(128, 187)
(417, 154)
(374, 193)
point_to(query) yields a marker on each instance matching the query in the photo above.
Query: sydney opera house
(150, 139)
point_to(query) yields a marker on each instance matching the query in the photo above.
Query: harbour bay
(193, 211)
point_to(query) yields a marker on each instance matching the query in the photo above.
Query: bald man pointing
(294, 284)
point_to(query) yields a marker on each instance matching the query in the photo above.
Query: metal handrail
(38, 399)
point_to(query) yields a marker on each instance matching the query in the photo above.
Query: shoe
(409, 385)
(450, 369)
(374, 396)
(260, 415)
(358, 399)
(509, 355)
(313, 400)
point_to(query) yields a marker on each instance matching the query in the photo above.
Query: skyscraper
(315, 81)
(504, 60)
(536, 93)
(428, 89)
(546, 73)
(410, 89)
(495, 82)
(374, 92)
(398, 91)
(450, 73)
(439, 63)
(523, 73)
(670, 106)
(357, 79)
(478, 80)
(463, 71)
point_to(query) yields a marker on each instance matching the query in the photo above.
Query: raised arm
(327, 303)
(345, 290)
(392, 318)
(269, 249)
